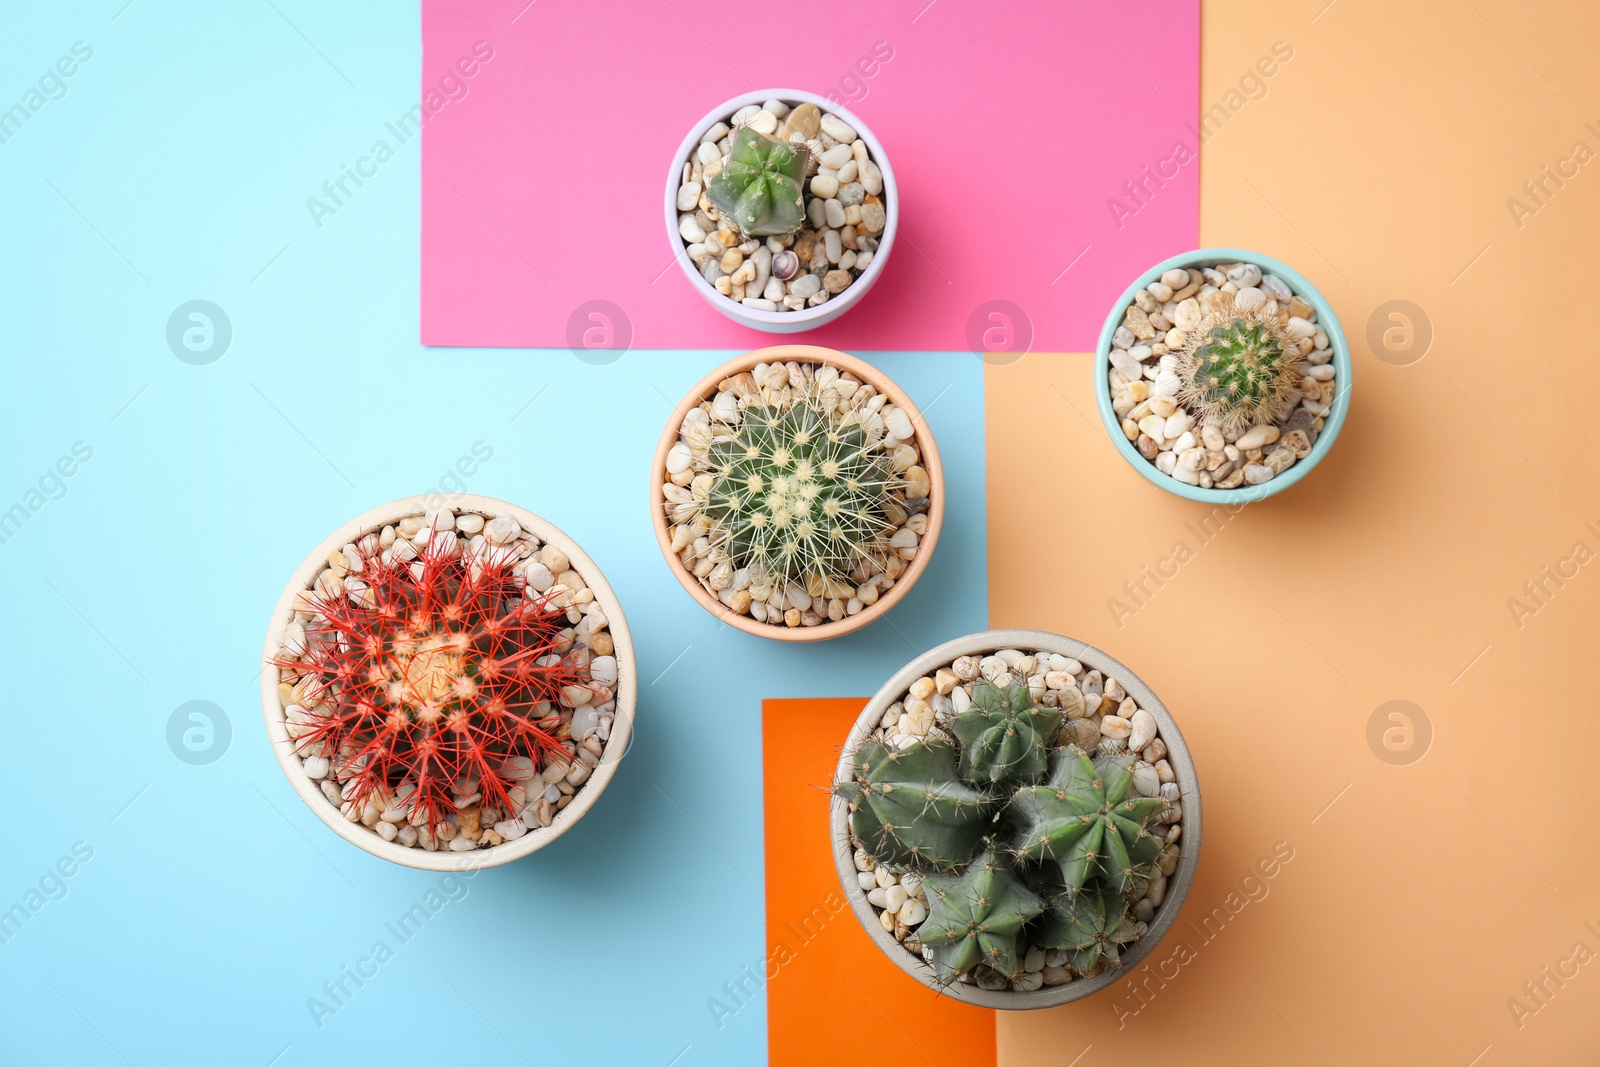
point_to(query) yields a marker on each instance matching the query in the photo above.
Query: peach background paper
(1431, 879)
(1009, 126)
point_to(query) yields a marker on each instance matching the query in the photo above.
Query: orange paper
(832, 997)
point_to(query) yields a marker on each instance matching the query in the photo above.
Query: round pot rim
(1333, 421)
(926, 446)
(790, 321)
(626, 692)
(1178, 756)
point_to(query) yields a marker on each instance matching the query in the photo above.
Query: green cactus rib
(976, 917)
(1091, 926)
(799, 492)
(1083, 820)
(759, 188)
(909, 807)
(1004, 736)
(1238, 369)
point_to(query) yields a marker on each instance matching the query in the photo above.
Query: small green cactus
(1004, 735)
(1082, 820)
(1238, 369)
(759, 189)
(1019, 840)
(799, 493)
(1092, 926)
(908, 806)
(977, 916)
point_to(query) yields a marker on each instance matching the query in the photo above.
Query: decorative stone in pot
(448, 688)
(797, 493)
(781, 208)
(1223, 375)
(1016, 819)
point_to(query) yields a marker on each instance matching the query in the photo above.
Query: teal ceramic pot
(1333, 421)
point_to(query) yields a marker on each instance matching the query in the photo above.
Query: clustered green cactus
(801, 493)
(1019, 839)
(759, 189)
(1238, 369)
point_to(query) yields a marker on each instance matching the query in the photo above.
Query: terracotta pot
(928, 450)
(982, 644)
(626, 691)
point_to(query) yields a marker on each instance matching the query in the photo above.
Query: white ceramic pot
(983, 644)
(784, 321)
(626, 690)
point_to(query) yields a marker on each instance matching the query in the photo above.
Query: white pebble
(837, 128)
(539, 577)
(502, 529)
(837, 156)
(678, 458)
(1144, 730)
(603, 669)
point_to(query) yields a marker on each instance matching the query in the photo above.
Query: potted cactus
(797, 493)
(1223, 375)
(448, 687)
(1016, 820)
(781, 208)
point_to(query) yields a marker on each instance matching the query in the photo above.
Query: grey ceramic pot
(981, 644)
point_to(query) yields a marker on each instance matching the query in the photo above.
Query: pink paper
(1044, 153)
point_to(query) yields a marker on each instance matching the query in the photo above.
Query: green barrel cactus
(977, 916)
(759, 188)
(1082, 820)
(908, 806)
(1019, 839)
(800, 492)
(1090, 926)
(1238, 369)
(1004, 736)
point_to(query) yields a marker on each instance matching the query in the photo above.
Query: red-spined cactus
(435, 672)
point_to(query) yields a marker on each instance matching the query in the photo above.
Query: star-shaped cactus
(759, 188)
(1083, 819)
(976, 916)
(907, 805)
(1091, 926)
(1004, 736)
